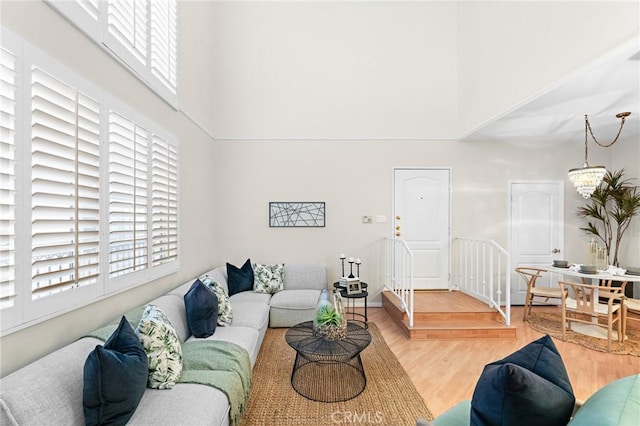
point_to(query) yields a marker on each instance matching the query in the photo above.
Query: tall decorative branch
(609, 213)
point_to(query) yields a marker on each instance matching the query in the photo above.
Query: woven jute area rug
(388, 399)
(550, 323)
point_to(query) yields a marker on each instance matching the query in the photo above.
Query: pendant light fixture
(587, 178)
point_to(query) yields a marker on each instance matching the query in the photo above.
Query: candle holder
(342, 258)
(358, 263)
(351, 268)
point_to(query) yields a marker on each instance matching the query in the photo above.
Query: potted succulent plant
(610, 211)
(330, 321)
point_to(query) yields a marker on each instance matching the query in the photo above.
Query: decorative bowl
(560, 263)
(588, 269)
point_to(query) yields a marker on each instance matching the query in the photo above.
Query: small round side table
(351, 302)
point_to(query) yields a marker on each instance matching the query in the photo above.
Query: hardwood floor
(445, 371)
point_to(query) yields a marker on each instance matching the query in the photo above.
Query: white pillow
(268, 278)
(225, 314)
(162, 346)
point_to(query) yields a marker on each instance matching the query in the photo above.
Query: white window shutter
(8, 91)
(64, 185)
(164, 201)
(164, 29)
(128, 22)
(141, 33)
(128, 196)
(91, 7)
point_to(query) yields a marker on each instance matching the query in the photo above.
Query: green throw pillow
(268, 278)
(225, 314)
(162, 346)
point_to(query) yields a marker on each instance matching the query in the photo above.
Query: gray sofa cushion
(250, 296)
(220, 275)
(173, 307)
(250, 314)
(49, 390)
(290, 307)
(206, 405)
(289, 317)
(297, 277)
(295, 299)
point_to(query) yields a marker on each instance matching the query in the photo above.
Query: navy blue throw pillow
(542, 357)
(115, 377)
(201, 305)
(508, 394)
(529, 387)
(240, 279)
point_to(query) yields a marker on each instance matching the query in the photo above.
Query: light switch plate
(367, 219)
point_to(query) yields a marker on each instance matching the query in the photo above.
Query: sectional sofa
(50, 390)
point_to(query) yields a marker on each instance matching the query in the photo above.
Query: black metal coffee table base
(328, 370)
(328, 381)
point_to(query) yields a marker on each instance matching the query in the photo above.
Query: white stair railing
(481, 270)
(398, 273)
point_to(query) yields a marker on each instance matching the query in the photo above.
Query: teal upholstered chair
(616, 404)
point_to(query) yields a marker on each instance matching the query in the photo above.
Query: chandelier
(587, 178)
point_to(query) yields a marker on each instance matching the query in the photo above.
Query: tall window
(141, 33)
(164, 201)
(88, 190)
(7, 177)
(128, 196)
(65, 186)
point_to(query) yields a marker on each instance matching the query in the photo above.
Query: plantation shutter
(7, 178)
(65, 187)
(164, 42)
(127, 21)
(128, 196)
(164, 201)
(92, 7)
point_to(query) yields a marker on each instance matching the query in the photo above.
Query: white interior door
(536, 229)
(421, 218)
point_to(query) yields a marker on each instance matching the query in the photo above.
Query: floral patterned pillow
(268, 278)
(162, 346)
(225, 314)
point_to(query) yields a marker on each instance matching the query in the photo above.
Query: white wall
(316, 70)
(354, 178)
(42, 27)
(626, 155)
(509, 51)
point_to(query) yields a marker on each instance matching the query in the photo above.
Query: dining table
(600, 275)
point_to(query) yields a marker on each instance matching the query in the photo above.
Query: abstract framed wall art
(296, 214)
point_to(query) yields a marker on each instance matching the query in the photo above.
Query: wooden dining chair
(631, 312)
(582, 303)
(530, 276)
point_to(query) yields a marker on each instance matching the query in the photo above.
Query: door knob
(555, 251)
(397, 217)
(398, 228)
(397, 234)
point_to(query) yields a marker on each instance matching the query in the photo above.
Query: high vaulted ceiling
(601, 90)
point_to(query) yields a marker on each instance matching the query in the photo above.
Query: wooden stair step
(452, 316)
(455, 316)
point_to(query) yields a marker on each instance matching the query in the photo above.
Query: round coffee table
(328, 370)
